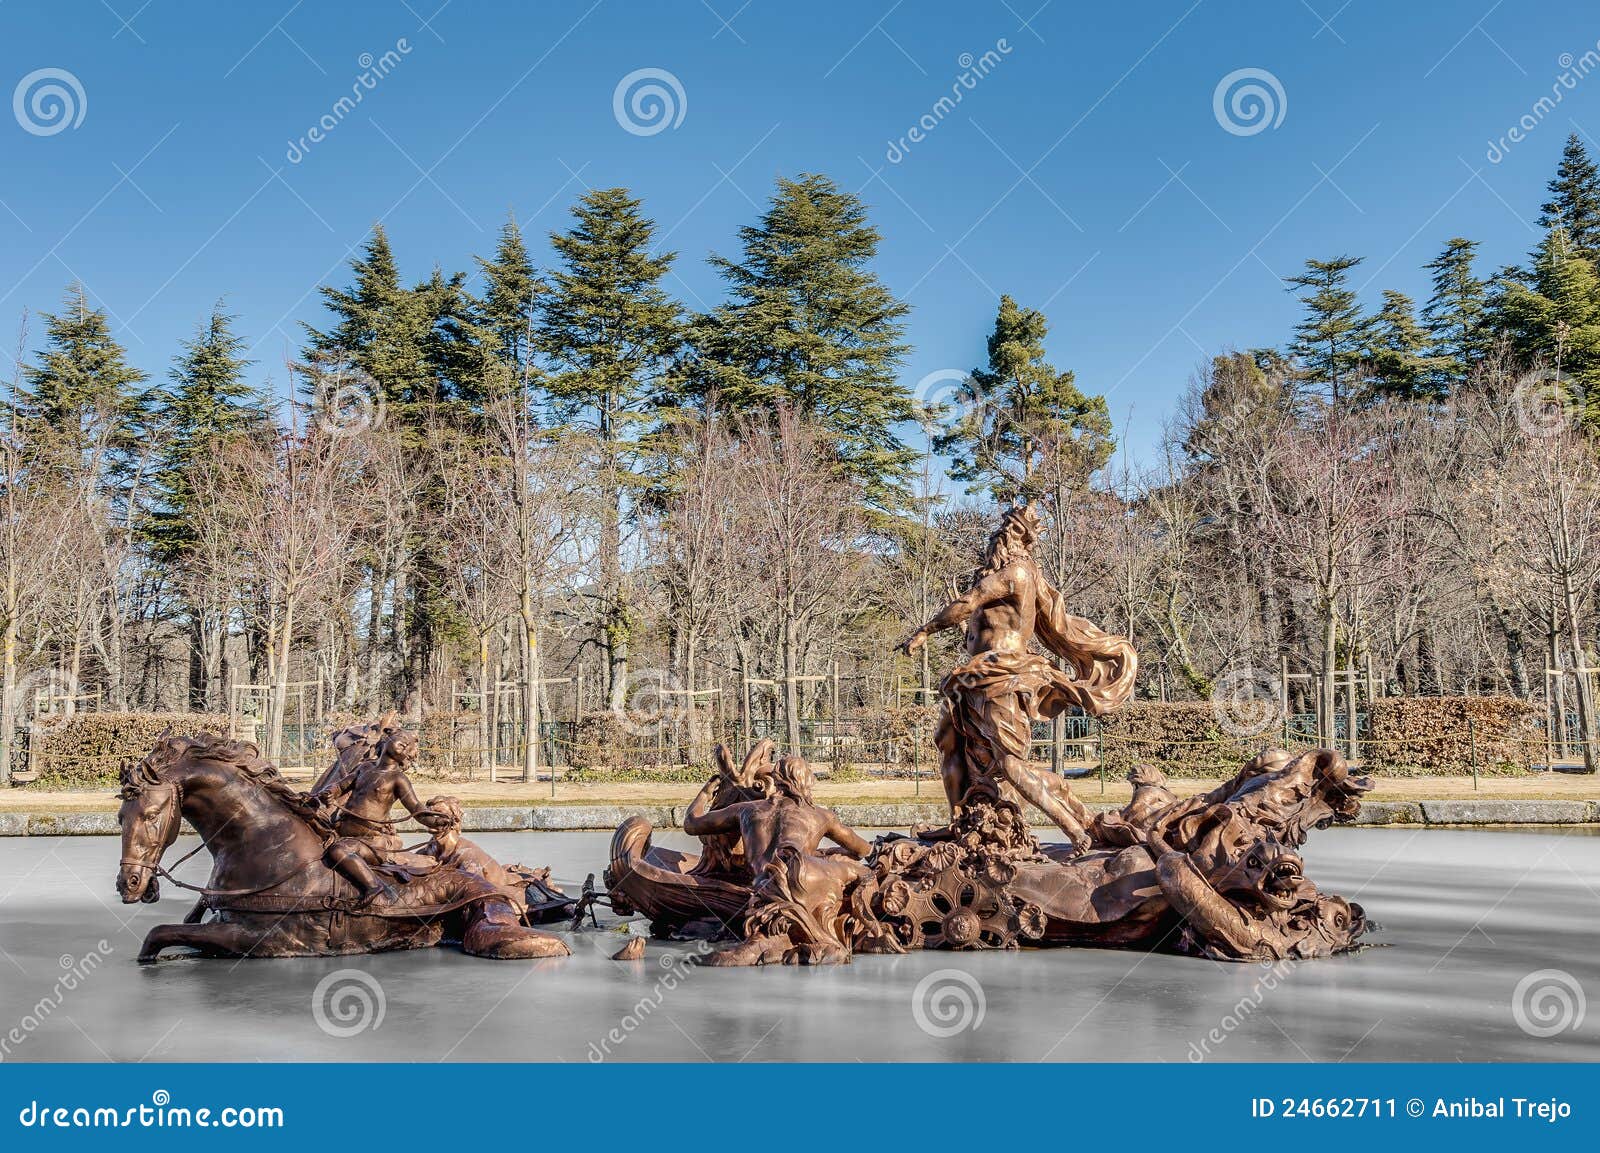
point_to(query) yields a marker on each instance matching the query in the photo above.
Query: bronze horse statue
(270, 894)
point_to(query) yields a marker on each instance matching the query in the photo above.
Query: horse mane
(243, 757)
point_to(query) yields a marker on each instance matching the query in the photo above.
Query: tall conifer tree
(811, 327)
(1019, 414)
(1331, 337)
(1574, 203)
(610, 334)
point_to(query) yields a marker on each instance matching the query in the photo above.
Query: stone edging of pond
(888, 815)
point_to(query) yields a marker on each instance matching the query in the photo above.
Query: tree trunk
(1330, 636)
(1580, 674)
(791, 694)
(8, 704)
(485, 753)
(530, 691)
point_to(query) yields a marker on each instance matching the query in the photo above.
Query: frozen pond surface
(1466, 915)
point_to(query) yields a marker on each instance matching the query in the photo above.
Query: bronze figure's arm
(407, 796)
(846, 838)
(996, 586)
(705, 824)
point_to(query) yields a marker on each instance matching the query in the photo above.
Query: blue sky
(1087, 173)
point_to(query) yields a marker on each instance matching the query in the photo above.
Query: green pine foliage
(1574, 204)
(82, 397)
(1456, 315)
(809, 326)
(1332, 335)
(1019, 417)
(207, 401)
(1397, 355)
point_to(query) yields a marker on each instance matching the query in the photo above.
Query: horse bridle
(169, 834)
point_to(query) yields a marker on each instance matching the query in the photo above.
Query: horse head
(150, 816)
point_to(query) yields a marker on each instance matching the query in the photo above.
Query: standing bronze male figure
(990, 701)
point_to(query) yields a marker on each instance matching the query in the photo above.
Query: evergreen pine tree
(609, 333)
(1397, 353)
(207, 400)
(512, 289)
(1455, 315)
(82, 396)
(1574, 203)
(811, 327)
(384, 331)
(1330, 339)
(1022, 426)
(1554, 317)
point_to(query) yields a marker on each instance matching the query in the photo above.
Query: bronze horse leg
(217, 939)
(494, 930)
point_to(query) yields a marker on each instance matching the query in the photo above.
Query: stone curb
(1508, 812)
(888, 815)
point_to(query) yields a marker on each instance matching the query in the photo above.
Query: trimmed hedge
(88, 749)
(893, 735)
(1425, 736)
(1181, 738)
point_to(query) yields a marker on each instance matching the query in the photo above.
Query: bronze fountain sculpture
(321, 873)
(1216, 875)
